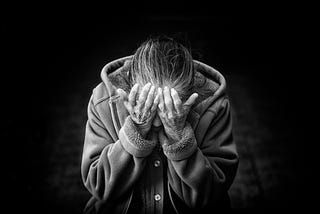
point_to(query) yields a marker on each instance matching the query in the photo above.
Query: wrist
(181, 149)
(174, 134)
(133, 142)
(143, 128)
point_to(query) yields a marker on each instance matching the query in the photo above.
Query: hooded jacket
(118, 165)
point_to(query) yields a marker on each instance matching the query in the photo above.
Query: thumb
(191, 100)
(123, 95)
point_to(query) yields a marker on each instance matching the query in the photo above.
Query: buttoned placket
(156, 175)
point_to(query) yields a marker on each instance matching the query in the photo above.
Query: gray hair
(164, 62)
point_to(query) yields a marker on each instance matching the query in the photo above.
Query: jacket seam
(218, 105)
(101, 100)
(171, 199)
(109, 98)
(126, 208)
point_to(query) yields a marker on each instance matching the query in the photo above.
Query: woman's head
(164, 62)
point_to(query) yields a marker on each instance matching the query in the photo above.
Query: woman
(159, 135)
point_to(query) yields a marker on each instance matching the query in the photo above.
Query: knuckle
(170, 116)
(140, 98)
(175, 95)
(136, 110)
(168, 102)
(178, 103)
(149, 97)
(145, 90)
(148, 103)
(147, 106)
(132, 93)
(153, 108)
(143, 97)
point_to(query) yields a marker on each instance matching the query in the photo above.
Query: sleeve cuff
(132, 140)
(182, 149)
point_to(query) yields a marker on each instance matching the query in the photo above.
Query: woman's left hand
(173, 113)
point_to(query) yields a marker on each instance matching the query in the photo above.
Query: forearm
(189, 171)
(197, 179)
(111, 172)
(105, 176)
(133, 140)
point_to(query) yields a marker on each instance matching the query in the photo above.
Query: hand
(142, 109)
(173, 113)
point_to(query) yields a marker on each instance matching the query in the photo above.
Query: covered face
(156, 122)
(163, 62)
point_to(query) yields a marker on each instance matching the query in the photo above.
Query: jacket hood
(115, 75)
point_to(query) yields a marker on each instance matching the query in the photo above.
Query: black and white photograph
(169, 108)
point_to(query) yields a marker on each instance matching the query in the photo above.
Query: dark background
(52, 58)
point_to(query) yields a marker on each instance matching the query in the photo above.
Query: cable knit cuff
(182, 149)
(133, 142)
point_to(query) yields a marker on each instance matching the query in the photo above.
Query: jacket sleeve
(201, 175)
(110, 167)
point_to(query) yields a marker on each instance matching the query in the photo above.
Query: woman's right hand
(142, 108)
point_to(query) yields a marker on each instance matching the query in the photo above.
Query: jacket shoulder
(220, 104)
(100, 93)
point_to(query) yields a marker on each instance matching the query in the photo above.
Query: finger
(123, 95)
(190, 100)
(155, 102)
(133, 94)
(176, 100)
(144, 94)
(149, 100)
(161, 114)
(161, 100)
(128, 106)
(168, 101)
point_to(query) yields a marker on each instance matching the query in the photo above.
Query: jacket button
(156, 163)
(157, 197)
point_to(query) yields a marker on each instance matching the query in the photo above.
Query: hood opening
(209, 83)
